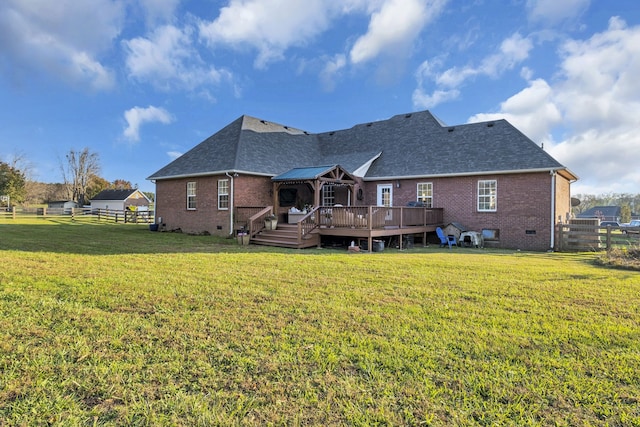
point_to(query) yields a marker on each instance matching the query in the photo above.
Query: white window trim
(191, 185)
(484, 196)
(220, 194)
(430, 198)
(380, 195)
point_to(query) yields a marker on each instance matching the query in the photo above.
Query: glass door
(385, 197)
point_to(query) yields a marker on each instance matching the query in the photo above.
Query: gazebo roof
(304, 174)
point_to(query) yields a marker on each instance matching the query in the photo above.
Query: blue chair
(446, 240)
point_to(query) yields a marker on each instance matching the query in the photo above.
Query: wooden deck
(352, 222)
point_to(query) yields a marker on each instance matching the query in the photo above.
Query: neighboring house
(65, 205)
(486, 176)
(604, 213)
(119, 200)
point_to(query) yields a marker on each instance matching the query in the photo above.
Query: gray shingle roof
(412, 145)
(114, 194)
(601, 211)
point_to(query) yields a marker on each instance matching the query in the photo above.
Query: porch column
(276, 197)
(317, 188)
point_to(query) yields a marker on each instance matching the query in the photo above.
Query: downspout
(231, 208)
(155, 201)
(553, 208)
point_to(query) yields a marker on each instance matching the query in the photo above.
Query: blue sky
(140, 82)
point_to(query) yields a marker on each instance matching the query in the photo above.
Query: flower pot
(270, 224)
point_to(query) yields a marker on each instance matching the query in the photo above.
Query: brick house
(487, 176)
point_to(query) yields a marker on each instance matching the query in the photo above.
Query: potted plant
(271, 222)
(243, 237)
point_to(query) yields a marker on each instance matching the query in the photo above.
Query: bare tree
(78, 172)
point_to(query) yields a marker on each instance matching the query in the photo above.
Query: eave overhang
(562, 171)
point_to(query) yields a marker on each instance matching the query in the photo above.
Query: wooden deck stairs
(286, 236)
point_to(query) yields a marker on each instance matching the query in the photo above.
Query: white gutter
(553, 207)
(155, 201)
(210, 173)
(230, 204)
(457, 174)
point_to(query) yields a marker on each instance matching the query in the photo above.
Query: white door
(385, 197)
(385, 193)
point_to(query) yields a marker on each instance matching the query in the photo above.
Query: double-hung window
(425, 194)
(487, 195)
(191, 196)
(223, 194)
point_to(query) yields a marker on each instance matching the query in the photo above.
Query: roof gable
(330, 173)
(118, 195)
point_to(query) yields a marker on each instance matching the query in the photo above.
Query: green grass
(116, 325)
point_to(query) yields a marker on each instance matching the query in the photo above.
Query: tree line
(629, 203)
(81, 181)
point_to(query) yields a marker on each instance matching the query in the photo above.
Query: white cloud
(159, 10)
(333, 66)
(600, 77)
(174, 154)
(599, 93)
(426, 100)
(555, 11)
(273, 26)
(63, 38)
(513, 50)
(394, 27)
(137, 116)
(532, 111)
(167, 59)
(270, 26)
(590, 115)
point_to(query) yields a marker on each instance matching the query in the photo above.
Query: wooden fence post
(560, 237)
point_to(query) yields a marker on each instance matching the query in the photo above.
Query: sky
(141, 82)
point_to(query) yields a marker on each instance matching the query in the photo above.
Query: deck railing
(375, 217)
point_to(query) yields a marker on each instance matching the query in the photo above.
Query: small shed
(64, 205)
(454, 229)
(119, 200)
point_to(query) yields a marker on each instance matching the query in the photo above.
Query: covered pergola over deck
(337, 220)
(315, 177)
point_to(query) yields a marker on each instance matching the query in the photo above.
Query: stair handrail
(256, 221)
(308, 223)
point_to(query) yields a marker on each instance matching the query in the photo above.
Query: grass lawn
(117, 325)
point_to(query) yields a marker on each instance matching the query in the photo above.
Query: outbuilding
(120, 200)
